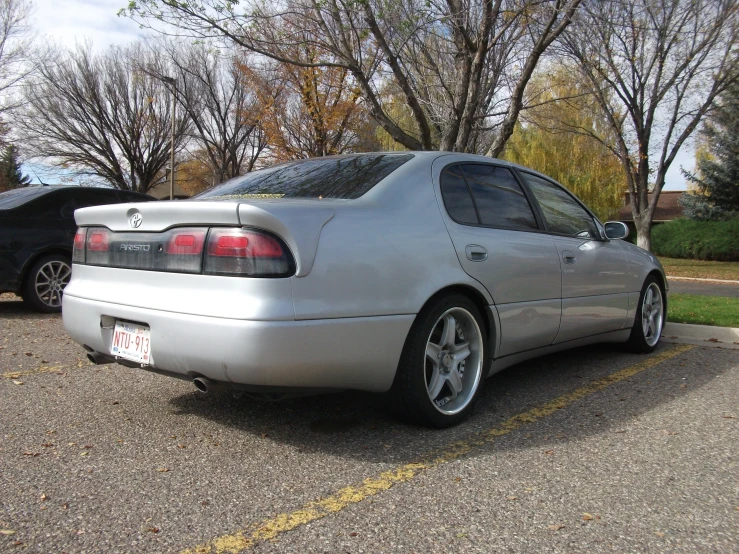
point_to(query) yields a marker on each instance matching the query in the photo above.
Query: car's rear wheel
(650, 318)
(440, 373)
(45, 283)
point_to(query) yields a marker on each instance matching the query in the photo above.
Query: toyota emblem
(135, 221)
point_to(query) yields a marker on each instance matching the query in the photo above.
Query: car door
(594, 269)
(500, 242)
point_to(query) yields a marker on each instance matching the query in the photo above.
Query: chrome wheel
(652, 314)
(49, 283)
(453, 366)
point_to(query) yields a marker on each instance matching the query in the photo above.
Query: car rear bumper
(350, 353)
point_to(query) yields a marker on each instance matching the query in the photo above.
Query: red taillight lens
(78, 250)
(229, 246)
(97, 241)
(246, 252)
(187, 243)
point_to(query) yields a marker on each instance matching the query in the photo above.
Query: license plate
(132, 342)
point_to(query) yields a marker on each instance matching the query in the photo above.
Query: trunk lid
(158, 216)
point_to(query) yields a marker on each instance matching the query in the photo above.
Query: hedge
(697, 240)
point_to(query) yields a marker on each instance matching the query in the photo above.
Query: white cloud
(69, 22)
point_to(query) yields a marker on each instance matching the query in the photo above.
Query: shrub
(697, 240)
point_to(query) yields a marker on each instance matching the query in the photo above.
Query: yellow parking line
(40, 369)
(312, 511)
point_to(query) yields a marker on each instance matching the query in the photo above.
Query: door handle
(476, 253)
(568, 257)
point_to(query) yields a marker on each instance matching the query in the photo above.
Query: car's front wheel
(650, 318)
(440, 373)
(45, 283)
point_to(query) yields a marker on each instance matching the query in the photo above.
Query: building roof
(667, 208)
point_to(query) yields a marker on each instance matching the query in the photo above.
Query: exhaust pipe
(98, 358)
(203, 384)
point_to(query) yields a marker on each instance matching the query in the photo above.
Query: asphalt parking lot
(593, 450)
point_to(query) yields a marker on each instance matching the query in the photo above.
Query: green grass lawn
(703, 310)
(697, 268)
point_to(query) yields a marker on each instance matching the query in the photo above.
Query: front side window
(498, 197)
(347, 177)
(562, 213)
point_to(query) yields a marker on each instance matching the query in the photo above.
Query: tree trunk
(643, 224)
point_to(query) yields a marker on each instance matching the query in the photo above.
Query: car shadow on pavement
(13, 307)
(359, 425)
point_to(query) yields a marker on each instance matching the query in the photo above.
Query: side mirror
(616, 230)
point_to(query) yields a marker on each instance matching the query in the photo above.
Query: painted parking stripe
(40, 369)
(275, 526)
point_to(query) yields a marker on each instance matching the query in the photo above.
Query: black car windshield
(17, 197)
(345, 177)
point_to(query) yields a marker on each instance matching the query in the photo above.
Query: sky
(69, 22)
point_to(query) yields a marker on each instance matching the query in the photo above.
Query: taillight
(186, 243)
(246, 252)
(98, 241)
(78, 250)
(98, 246)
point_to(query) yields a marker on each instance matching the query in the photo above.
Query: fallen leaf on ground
(44, 498)
(353, 534)
(512, 497)
(550, 452)
(556, 527)
(31, 454)
(587, 517)
(153, 529)
(17, 382)
(162, 469)
(712, 340)
(659, 533)
(7, 532)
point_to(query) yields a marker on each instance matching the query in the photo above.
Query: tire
(440, 373)
(45, 283)
(650, 318)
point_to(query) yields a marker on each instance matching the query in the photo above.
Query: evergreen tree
(717, 178)
(11, 175)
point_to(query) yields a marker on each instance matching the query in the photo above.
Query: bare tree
(655, 68)
(460, 66)
(93, 114)
(218, 95)
(14, 48)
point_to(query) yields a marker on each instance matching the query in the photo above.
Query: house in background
(668, 208)
(160, 191)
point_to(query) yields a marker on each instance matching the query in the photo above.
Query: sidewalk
(703, 335)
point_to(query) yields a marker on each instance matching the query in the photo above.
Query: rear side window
(498, 197)
(457, 198)
(562, 212)
(345, 177)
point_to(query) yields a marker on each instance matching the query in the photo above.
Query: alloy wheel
(50, 281)
(453, 366)
(652, 314)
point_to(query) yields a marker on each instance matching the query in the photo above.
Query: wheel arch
(31, 261)
(488, 312)
(662, 282)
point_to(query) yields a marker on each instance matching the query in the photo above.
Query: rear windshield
(340, 177)
(17, 197)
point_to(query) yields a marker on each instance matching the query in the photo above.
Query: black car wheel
(45, 282)
(441, 369)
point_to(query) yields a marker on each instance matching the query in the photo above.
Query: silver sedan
(418, 274)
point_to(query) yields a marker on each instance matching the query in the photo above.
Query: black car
(37, 231)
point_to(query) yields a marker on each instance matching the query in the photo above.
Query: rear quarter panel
(386, 253)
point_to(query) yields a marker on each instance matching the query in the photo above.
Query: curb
(704, 335)
(723, 281)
